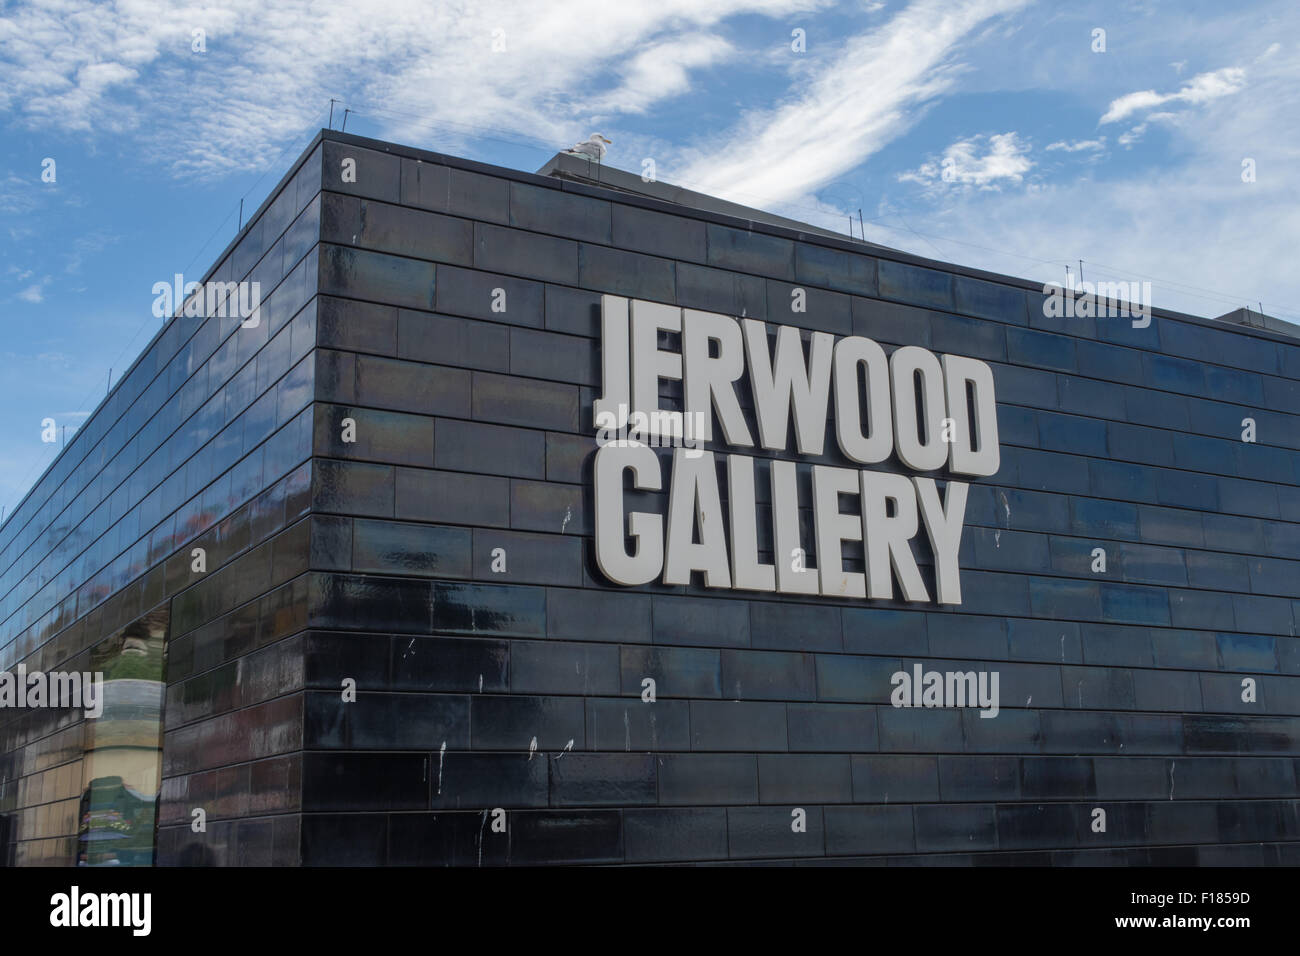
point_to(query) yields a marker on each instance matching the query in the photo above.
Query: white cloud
(87, 245)
(1134, 134)
(1077, 146)
(662, 71)
(425, 72)
(1208, 242)
(1200, 89)
(18, 195)
(875, 89)
(981, 161)
(33, 294)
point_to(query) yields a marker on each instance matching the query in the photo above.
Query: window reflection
(122, 762)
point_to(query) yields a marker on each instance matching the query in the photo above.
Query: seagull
(592, 148)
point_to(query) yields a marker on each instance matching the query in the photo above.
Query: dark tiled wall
(521, 690)
(204, 443)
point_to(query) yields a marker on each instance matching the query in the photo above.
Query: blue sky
(989, 133)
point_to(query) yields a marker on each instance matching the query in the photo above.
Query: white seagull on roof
(592, 148)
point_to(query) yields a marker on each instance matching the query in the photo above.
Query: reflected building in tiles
(365, 586)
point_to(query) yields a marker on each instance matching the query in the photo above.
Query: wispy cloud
(451, 71)
(1186, 220)
(1077, 146)
(983, 161)
(873, 91)
(662, 71)
(1200, 89)
(17, 195)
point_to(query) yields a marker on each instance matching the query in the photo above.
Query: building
(337, 562)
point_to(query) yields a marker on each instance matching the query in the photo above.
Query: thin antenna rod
(851, 236)
(861, 228)
(331, 112)
(1081, 271)
(241, 215)
(346, 111)
(110, 381)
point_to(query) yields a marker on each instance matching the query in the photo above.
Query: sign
(931, 412)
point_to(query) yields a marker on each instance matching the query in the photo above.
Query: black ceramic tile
(526, 254)
(673, 834)
(979, 778)
(676, 671)
(756, 832)
(556, 837)
(474, 781)
(707, 779)
(526, 558)
(452, 497)
(394, 547)
(446, 839)
(805, 778)
(769, 675)
(729, 725)
(713, 290)
(486, 295)
(448, 341)
(838, 728)
(955, 827)
(602, 780)
(474, 665)
(896, 778)
(555, 667)
(513, 723)
(594, 615)
(377, 276)
(489, 449)
(344, 839)
(380, 721)
(415, 233)
(636, 725)
(489, 609)
(364, 782)
(795, 627)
